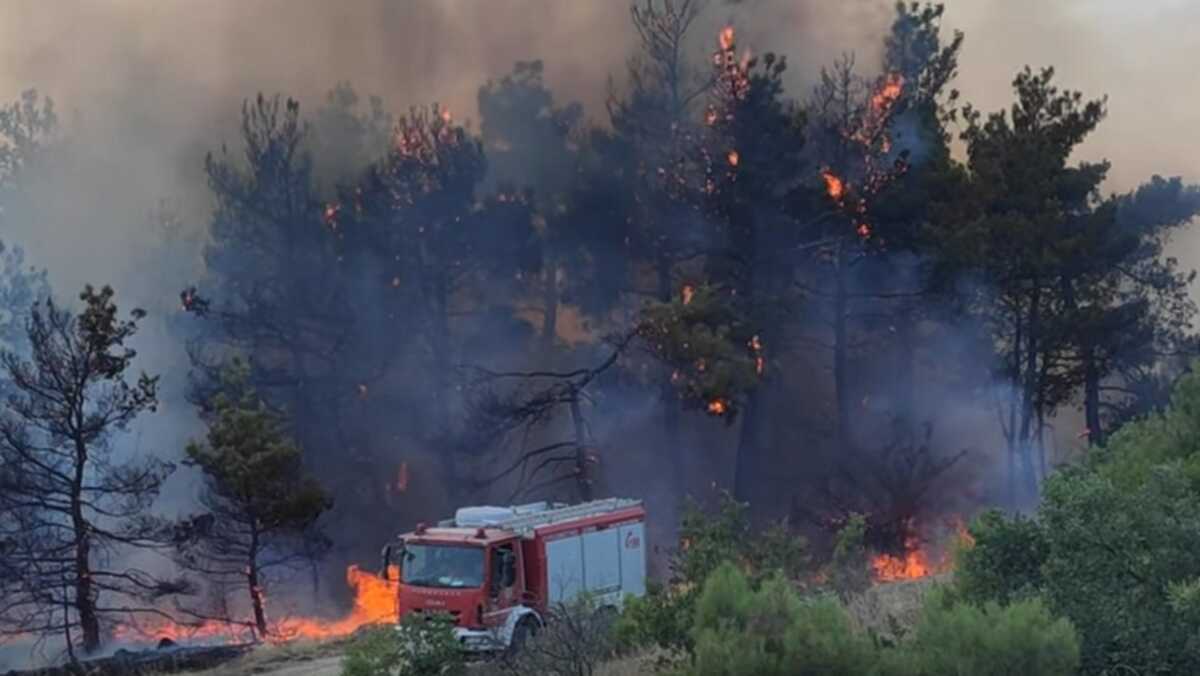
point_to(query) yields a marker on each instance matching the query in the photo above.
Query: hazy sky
(158, 82)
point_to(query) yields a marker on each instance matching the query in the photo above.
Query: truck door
(504, 581)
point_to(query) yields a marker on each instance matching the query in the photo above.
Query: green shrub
(988, 640)
(1005, 563)
(772, 631)
(1113, 547)
(850, 572)
(663, 618)
(421, 647)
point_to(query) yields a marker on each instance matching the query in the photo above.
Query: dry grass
(891, 610)
(295, 658)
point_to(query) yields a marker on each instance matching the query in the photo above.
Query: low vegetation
(1111, 547)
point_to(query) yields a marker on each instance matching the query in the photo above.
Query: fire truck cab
(497, 570)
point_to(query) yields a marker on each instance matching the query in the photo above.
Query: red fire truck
(496, 570)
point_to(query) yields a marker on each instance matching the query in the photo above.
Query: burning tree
(883, 154)
(752, 158)
(652, 154)
(261, 504)
(72, 506)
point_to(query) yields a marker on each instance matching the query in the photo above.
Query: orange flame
(889, 92)
(330, 214)
(717, 407)
(733, 158)
(374, 602)
(725, 38)
(833, 185)
(687, 293)
(912, 565)
(917, 560)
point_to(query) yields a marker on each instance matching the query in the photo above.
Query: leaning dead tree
(517, 412)
(71, 506)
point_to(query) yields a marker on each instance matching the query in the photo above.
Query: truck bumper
(478, 640)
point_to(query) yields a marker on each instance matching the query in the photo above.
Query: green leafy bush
(850, 572)
(772, 631)
(988, 640)
(419, 647)
(1113, 547)
(1005, 562)
(663, 618)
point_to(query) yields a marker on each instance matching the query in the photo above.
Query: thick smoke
(146, 89)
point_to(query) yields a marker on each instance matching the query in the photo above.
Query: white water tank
(484, 516)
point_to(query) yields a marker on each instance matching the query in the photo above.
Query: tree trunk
(550, 309)
(582, 465)
(840, 359)
(255, 587)
(85, 592)
(1091, 374)
(747, 453)
(904, 382)
(1091, 398)
(667, 394)
(1029, 390)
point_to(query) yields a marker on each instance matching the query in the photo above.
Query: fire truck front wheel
(526, 629)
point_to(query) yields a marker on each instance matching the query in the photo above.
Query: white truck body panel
(608, 563)
(564, 568)
(633, 559)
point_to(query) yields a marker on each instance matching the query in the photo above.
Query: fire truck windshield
(442, 566)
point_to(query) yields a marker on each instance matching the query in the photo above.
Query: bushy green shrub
(663, 618)
(987, 640)
(420, 647)
(850, 571)
(1113, 547)
(1005, 562)
(772, 631)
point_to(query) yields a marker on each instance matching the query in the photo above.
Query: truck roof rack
(525, 523)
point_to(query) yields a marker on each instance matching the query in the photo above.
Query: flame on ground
(919, 559)
(374, 602)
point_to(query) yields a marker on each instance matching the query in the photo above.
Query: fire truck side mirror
(386, 564)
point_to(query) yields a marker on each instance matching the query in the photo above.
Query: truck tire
(526, 629)
(606, 617)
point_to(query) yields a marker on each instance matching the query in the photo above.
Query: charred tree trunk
(255, 585)
(904, 382)
(550, 309)
(85, 592)
(1091, 373)
(1029, 390)
(583, 475)
(441, 349)
(840, 357)
(1091, 397)
(747, 454)
(667, 392)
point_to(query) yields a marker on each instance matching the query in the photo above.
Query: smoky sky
(144, 88)
(150, 86)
